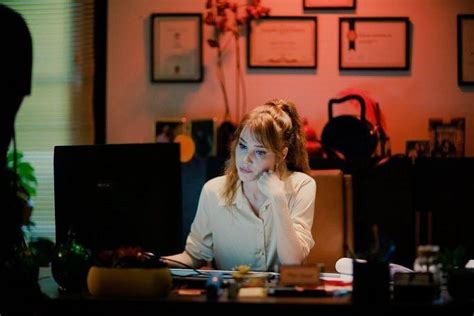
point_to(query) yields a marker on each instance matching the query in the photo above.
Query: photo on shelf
(417, 148)
(166, 129)
(447, 139)
(204, 133)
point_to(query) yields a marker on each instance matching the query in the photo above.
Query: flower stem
(221, 77)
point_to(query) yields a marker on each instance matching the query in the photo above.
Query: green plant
(22, 177)
(25, 173)
(453, 258)
(39, 250)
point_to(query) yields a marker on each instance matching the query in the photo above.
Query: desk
(83, 304)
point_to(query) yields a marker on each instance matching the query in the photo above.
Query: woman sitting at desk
(260, 212)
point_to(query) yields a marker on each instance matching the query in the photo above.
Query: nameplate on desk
(305, 275)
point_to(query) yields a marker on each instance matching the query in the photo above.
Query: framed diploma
(466, 50)
(329, 4)
(282, 42)
(374, 43)
(176, 47)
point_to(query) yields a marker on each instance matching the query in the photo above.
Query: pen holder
(371, 283)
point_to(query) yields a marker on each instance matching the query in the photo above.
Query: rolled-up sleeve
(199, 242)
(302, 213)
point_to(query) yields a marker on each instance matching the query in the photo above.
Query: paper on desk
(336, 283)
(344, 266)
(343, 278)
(204, 273)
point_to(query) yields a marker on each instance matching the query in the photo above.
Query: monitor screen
(120, 195)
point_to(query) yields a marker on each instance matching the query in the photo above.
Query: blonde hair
(276, 125)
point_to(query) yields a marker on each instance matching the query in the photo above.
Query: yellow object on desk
(133, 282)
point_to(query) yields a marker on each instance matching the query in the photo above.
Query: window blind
(60, 108)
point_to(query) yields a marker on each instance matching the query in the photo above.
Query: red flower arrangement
(229, 17)
(128, 257)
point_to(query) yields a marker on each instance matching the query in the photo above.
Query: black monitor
(120, 195)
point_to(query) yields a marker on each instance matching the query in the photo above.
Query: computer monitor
(120, 195)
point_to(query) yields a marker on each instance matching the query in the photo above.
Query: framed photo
(417, 148)
(374, 43)
(329, 4)
(447, 138)
(282, 42)
(466, 50)
(166, 129)
(204, 135)
(176, 47)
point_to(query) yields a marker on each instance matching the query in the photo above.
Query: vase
(70, 266)
(129, 282)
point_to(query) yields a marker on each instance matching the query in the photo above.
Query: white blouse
(234, 235)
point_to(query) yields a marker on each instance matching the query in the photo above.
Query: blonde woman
(260, 212)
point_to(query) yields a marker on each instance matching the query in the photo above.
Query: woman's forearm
(181, 260)
(289, 248)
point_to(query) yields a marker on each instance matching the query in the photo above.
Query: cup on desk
(371, 283)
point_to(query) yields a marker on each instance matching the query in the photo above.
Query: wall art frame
(176, 47)
(465, 41)
(282, 42)
(374, 43)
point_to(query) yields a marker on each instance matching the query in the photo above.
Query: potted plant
(129, 271)
(26, 258)
(22, 175)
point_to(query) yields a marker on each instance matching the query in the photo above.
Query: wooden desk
(83, 304)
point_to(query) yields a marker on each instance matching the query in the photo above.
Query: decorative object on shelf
(417, 148)
(313, 146)
(204, 134)
(166, 129)
(71, 264)
(169, 130)
(225, 135)
(356, 108)
(352, 136)
(176, 47)
(129, 271)
(447, 138)
(227, 19)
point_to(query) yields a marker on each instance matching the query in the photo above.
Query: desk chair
(332, 224)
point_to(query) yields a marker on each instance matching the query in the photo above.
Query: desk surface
(84, 303)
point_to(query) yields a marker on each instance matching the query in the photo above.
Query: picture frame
(204, 135)
(329, 4)
(176, 47)
(282, 42)
(447, 139)
(465, 41)
(374, 43)
(166, 129)
(417, 148)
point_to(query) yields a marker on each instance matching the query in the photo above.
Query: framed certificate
(374, 43)
(466, 50)
(329, 4)
(282, 42)
(176, 47)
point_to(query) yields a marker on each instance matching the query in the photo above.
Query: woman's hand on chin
(270, 184)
